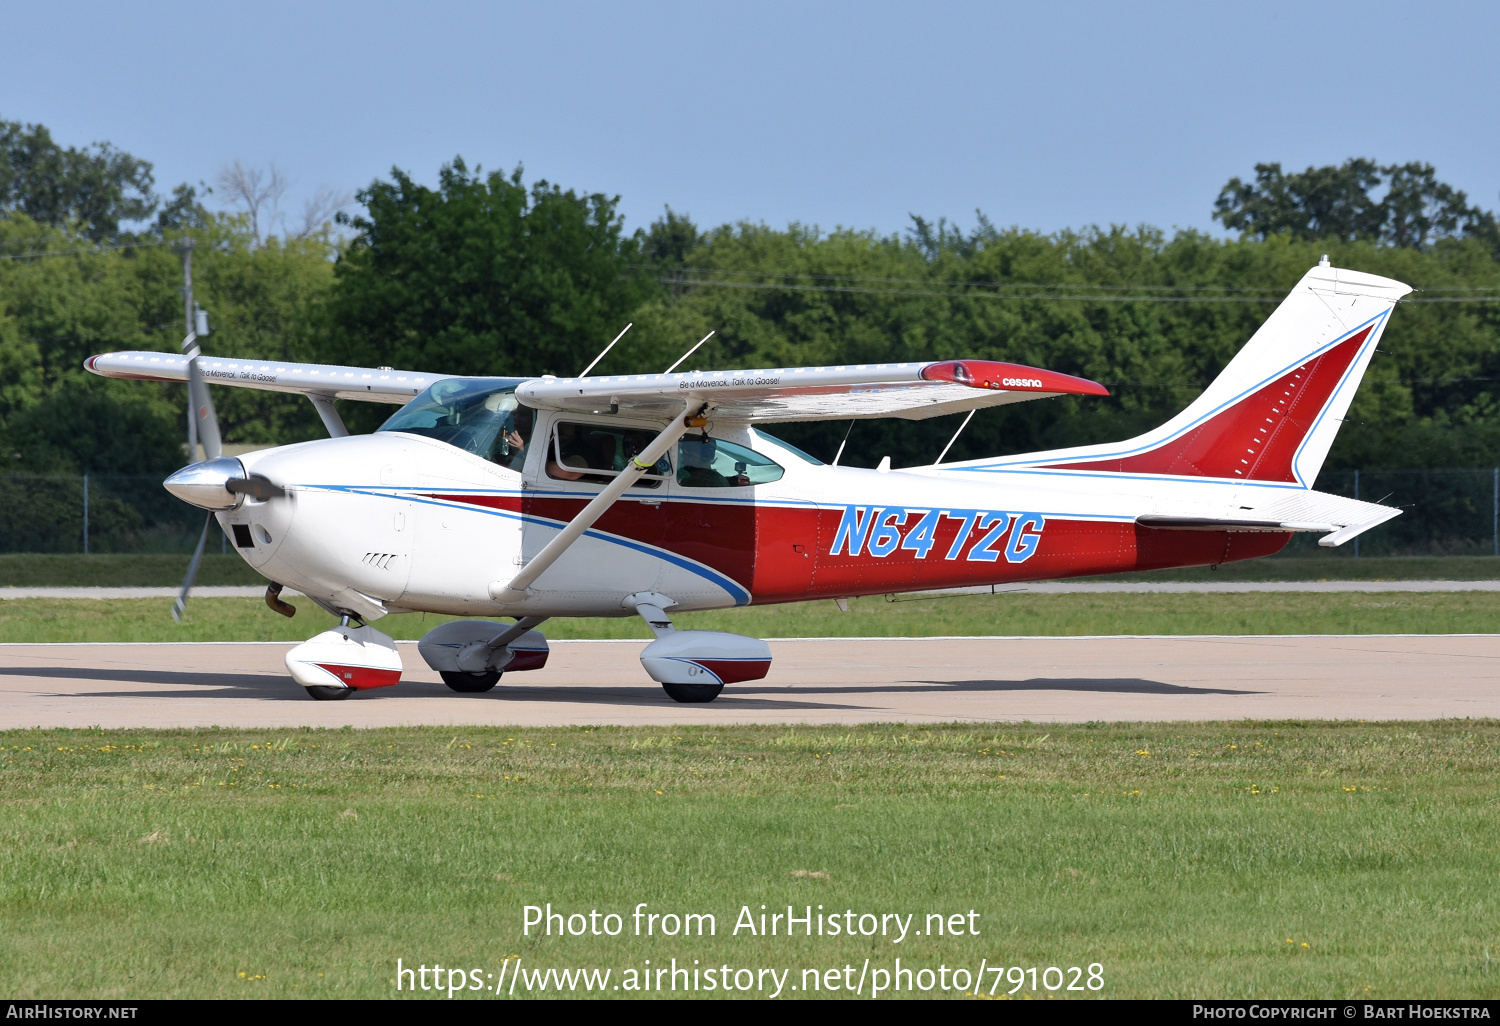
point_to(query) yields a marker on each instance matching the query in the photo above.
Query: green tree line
(483, 273)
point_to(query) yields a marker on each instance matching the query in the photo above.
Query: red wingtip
(1010, 377)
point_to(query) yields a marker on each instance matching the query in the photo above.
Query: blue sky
(1046, 116)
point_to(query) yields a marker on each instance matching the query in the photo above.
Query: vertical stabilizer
(1272, 414)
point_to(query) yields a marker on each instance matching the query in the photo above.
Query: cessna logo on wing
(881, 531)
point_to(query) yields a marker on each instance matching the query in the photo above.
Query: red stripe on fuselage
(782, 553)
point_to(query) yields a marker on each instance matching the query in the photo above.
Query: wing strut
(323, 403)
(514, 590)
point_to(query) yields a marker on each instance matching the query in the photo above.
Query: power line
(954, 294)
(39, 253)
(965, 294)
(714, 275)
(976, 283)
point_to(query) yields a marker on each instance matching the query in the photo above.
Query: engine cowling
(706, 657)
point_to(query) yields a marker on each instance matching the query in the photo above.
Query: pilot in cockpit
(696, 466)
(515, 424)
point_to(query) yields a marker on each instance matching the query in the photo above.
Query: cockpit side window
(598, 452)
(704, 462)
(478, 415)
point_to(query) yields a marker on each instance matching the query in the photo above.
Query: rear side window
(715, 463)
(599, 452)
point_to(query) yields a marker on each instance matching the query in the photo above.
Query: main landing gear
(694, 666)
(470, 683)
(470, 655)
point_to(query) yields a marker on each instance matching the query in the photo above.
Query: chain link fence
(94, 513)
(1445, 513)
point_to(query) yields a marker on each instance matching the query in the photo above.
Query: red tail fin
(1257, 437)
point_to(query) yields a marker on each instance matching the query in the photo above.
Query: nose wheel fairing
(355, 658)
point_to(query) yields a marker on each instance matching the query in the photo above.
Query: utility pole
(1356, 495)
(185, 247)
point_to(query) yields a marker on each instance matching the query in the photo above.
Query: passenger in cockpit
(696, 466)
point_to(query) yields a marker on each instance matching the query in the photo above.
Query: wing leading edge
(910, 391)
(379, 385)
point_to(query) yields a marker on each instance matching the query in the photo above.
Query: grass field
(64, 570)
(1292, 859)
(109, 570)
(231, 619)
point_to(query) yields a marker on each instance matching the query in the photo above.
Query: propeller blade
(187, 582)
(256, 486)
(192, 452)
(200, 405)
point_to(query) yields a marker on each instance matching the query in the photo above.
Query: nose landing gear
(343, 660)
(321, 693)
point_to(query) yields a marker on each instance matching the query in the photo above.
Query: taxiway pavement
(835, 681)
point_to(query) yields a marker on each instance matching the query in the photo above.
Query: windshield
(478, 415)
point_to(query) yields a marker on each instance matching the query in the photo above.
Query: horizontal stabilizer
(1342, 519)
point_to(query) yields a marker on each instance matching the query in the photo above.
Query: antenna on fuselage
(842, 444)
(690, 352)
(955, 436)
(606, 350)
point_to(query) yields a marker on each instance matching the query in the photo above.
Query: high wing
(377, 385)
(910, 391)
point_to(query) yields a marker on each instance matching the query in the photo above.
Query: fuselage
(395, 521)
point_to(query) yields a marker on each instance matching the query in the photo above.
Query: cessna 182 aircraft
(651, 494)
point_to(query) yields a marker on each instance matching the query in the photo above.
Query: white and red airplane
(657, 493)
